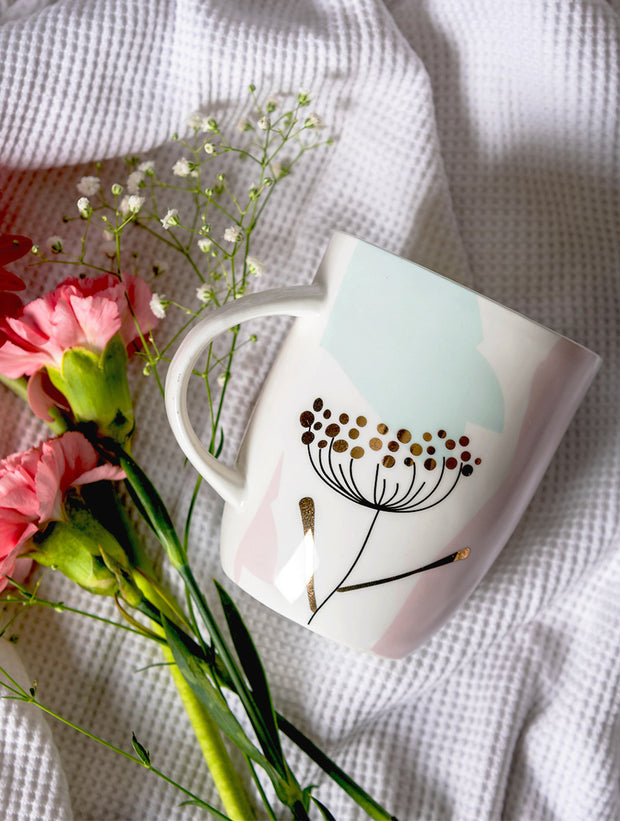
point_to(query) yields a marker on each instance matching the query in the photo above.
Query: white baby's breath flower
(205, 244)
(147, 167)
(54, 244)
(84, 207)
(171, 218)
(131, 205)
(89, 186)
(195, 120)
(244, 124)
(314, 121)
(209, 148)
(271, 103)
(182, 168)
(233, 234)
(221, 380)
(264, 123)
(158, 305)
(204, 293)
(254, 266)
(134, 203)
(304, 97)
(134, 180)
(116, 189)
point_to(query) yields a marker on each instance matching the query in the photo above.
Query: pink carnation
(32, 489)
(83, 313)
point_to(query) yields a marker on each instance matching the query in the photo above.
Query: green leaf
(344, 781)
(142, 752)
(151, 506)
(254, 671)
(220, 447)
(194, 671)
(233, 671)
(324, 811)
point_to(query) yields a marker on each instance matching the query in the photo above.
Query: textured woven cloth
(479, 139)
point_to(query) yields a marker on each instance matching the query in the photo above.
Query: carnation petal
(12, 247)
(98, 318)
(108, 472)
(10, 282)
(139, 295)
(43, 396)
(13, 532)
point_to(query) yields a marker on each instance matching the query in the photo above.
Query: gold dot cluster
(345, 432)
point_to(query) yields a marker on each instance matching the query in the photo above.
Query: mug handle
(299, 300)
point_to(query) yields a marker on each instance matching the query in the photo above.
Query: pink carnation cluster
(84, 313)
(33, 485)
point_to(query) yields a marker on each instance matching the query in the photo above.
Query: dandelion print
(384, 470)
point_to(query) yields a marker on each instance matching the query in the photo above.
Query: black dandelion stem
(351, 568)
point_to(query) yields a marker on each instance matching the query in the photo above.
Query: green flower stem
(20, 694)
(226, 778)
(30, 600)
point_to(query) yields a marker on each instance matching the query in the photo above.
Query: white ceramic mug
(398, 439)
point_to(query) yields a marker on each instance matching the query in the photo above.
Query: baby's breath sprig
(199, 208)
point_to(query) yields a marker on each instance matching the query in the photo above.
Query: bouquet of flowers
(69, 503)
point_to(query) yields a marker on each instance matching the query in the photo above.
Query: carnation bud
(96, 388)
(75, 548)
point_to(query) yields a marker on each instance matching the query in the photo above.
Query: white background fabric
(480, 139)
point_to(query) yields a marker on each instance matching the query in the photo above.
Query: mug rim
(458, 285)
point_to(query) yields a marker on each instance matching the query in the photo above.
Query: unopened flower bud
(84, 207)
